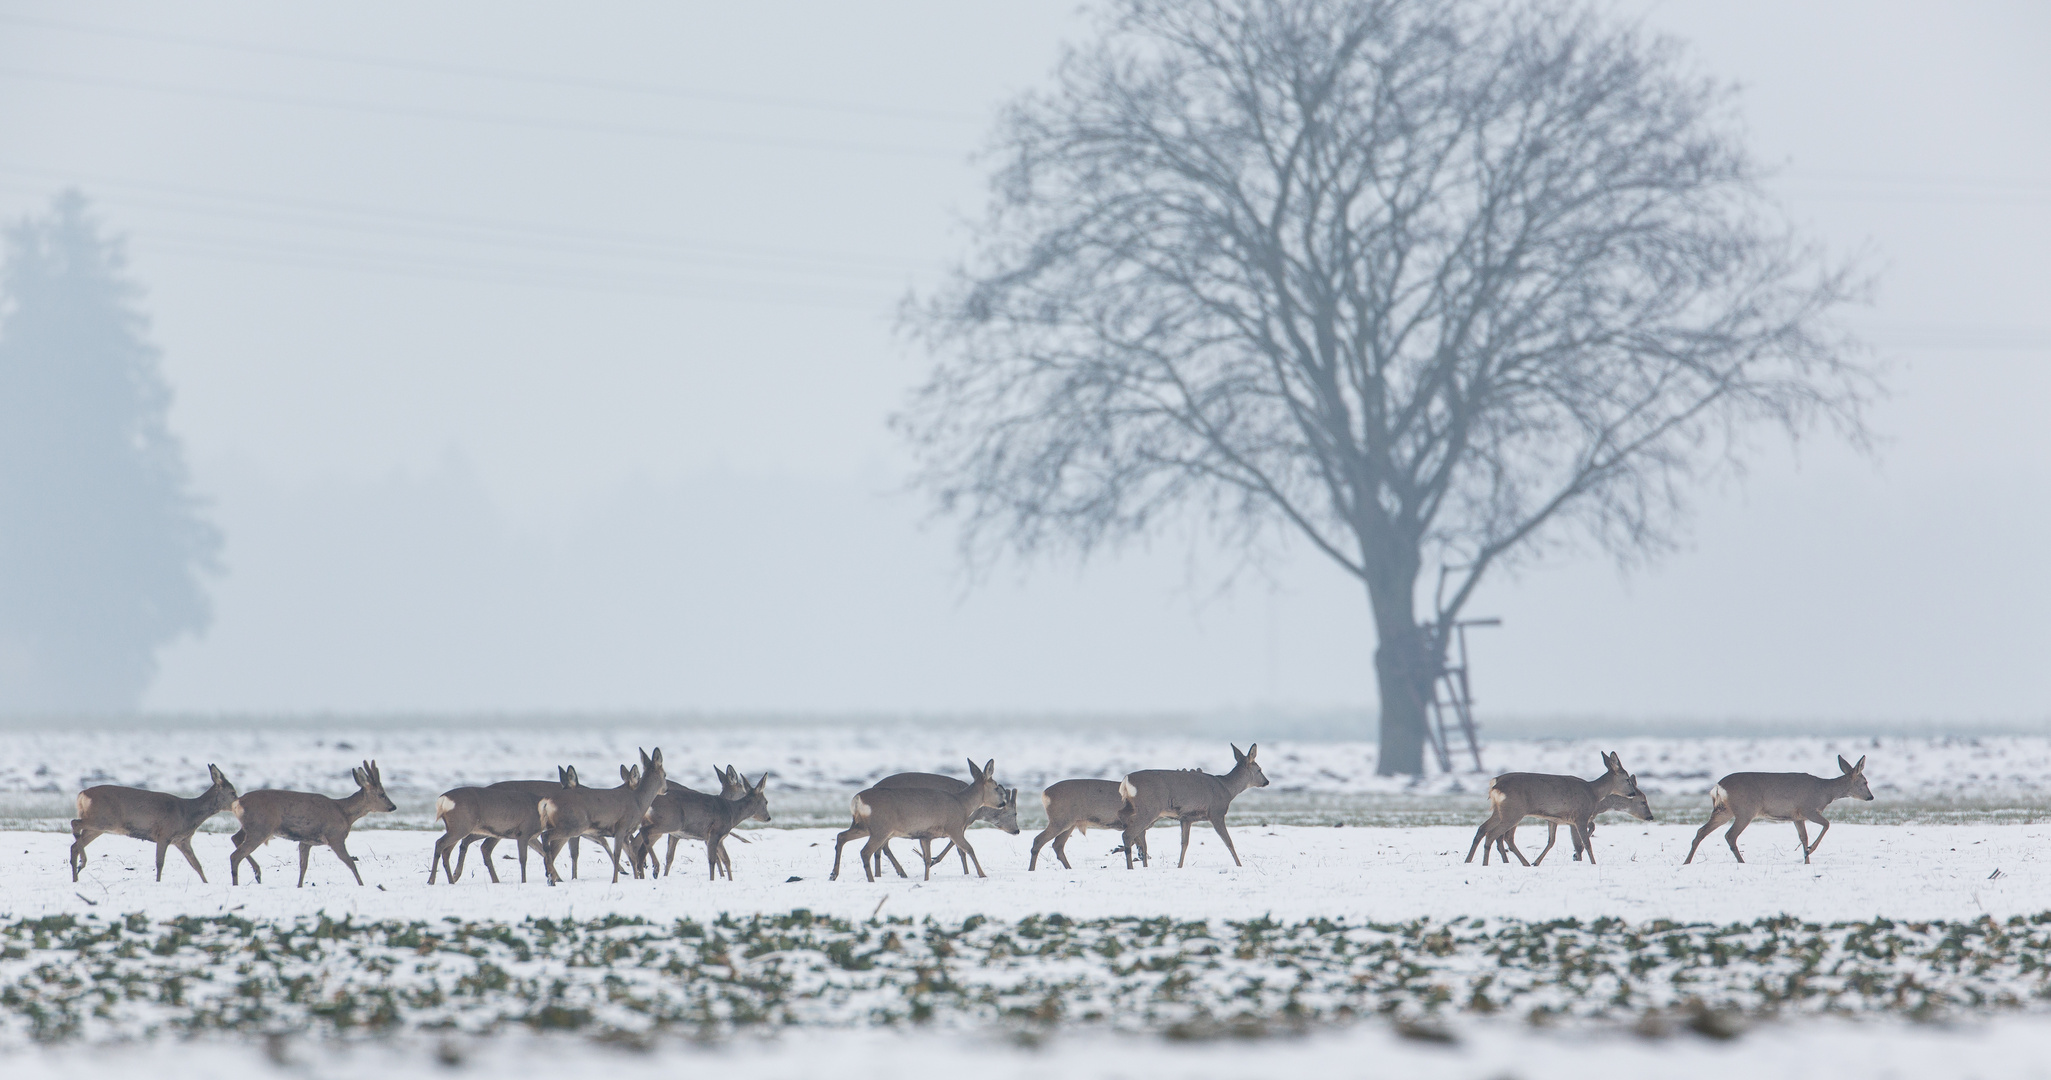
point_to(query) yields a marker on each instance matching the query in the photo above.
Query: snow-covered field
(1911, 946)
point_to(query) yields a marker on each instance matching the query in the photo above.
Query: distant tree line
(104, 548)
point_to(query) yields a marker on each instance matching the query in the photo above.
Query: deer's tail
(1718, 797)
(860, 808)
(442, 806)
(1126, 790)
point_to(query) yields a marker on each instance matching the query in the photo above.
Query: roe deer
(1780, 796)
(1075, 806)
(667, 816)
(307, 819)
(922, 814)
(508, 810)
(684, 812)
(1559, 800)
(1583, 835)
(1004, 815)
(611, 812)
(165, 819)
(1189, 796)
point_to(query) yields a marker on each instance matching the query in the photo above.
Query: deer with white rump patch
(1004, 815)
(1557, 800)
(307, 819)
(923, 814)
(1075, 806)
(155, 816)
(508, 810)
(604, 812)
(1189, 796)
(1743, 797)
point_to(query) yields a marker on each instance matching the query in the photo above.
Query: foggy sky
(536, 360)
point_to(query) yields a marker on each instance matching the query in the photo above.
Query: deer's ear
(759, 784)
(570, 776)
(990, 767)
(975, 774)
(362, 778)
(1252, 748)
(1861, 766)
(656, 757)
(1845, 765)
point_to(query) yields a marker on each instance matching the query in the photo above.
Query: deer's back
(910, 812)
(1773, 796)
(295, 815)
(682, 809)
(490, 807)
(1096, 802)
(1174, 791)
(1545, 795)
(577, 808)
(128, 811)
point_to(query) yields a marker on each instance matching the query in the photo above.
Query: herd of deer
(547, 815)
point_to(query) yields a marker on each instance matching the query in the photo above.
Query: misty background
(537, 362)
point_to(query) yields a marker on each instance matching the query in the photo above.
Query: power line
(488, 230)
(500, 74)
(416, 112)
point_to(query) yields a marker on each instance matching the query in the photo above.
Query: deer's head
(755, 797)
(983, 783)
(223, 792)
(1623, 784)
(1254, 776)
(1007, 810)
(373, 784)
(1857, 773)
(654, 781)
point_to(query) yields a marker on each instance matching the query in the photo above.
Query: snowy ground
(1291, 872)
(1952, 837)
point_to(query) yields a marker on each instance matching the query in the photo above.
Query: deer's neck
(1837, 787)
(204, 805)
(1236, 781)
(357, 805)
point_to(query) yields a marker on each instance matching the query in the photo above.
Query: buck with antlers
(1741, 798)
(307, 819)
(154, 816)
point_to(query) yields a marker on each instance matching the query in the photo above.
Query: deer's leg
(575, 843)
(1184, 860)
(305, 853)
(185, 849)
(961, 843)
(1584, 832)
(1717, 816)
(522, 843)
(1509, 838)
(1219, 825)
(840, 841)
(240, 853)
(870, 858)
(671, 859)
(163, 846)
(1480, 832)
(926, 857)
(340, 845)
(1039, 842)
(81, 836)
(1817, 817)
(1802, 837)
(1552, 836)
(551, 846)
(484, 851)
(892, 856)
(1061, 848)
(1738, 823)
(439, 858)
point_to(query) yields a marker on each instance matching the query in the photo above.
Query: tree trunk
(1403, 674)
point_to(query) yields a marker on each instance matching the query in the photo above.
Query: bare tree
(1418, 281)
